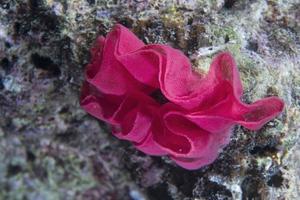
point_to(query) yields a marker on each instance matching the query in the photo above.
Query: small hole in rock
(185, 182)
(30, 156)
(45, 63)
(127, 22)
(214, 190)
(160, 192)
(13, 170)
(276, 180)
(229, 3)
(5, 64)
(251, 187)
(35, 3)
(17, 28)
(64, 109)
(226, 39)
(1, 84)
(7, 45)
(253, 46)
(5, 6)
(91, 2)
(190, 21)
(263, 150)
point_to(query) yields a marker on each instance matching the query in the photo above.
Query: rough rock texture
(51, 149)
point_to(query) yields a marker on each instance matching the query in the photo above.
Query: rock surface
(51, 149)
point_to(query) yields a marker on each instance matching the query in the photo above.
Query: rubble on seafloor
(51, 149)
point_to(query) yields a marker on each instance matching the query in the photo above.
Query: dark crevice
(91, 2)
(1, 83)
(185, 182)
(30, 156)
(229, 3)
(226, 39)
(275, 177)
(158, 96)
(263, 150)
(253, 46)
(160, 192)
(35, 4)
(13, 170)
(251, 186)
(6, 64)
(214, 191)
(45, 63)
(276, 180)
